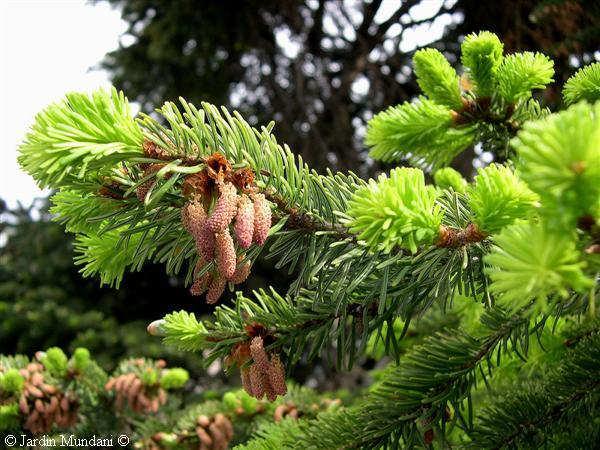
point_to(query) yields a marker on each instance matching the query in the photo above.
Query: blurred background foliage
(320, 69)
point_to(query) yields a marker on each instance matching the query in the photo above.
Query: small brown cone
(193, 218)
(244, 222)
(219, 440)
(261, 360)
(277, 376)
(200, 285)
(242, 271)
(262, 219)
(225, 424)
(216, 289)
(225, 209)
(143, 189)
(257, 382)
(204, 437)
(246, 381)
(205, 243)
(225, 254)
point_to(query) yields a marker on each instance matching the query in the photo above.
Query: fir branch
(437, 373)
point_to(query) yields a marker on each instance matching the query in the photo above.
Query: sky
(47, 48)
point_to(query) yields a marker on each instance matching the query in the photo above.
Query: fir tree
(517, 248)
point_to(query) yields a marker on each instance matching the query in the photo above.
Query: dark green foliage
(556, 407)
(44, 302)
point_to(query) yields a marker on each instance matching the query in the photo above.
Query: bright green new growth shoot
(530, 262)
(396, 211)
(584, 85)
(92, 133)
(520, 73)
(498, 197)
(447, 177)
(437, 78)
(481, 56)
(559, 159)
(420, 132)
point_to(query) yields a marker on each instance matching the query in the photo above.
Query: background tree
(321, 68)
(45, 302)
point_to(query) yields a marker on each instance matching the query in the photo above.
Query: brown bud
(593, 249)
(243, 179)
(161, 363)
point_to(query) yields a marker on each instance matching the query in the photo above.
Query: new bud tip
(156, 328)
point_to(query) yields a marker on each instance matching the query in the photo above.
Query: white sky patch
(290, 46)
(360, 86)
(425, 33)
(426, 9)
(46, 50)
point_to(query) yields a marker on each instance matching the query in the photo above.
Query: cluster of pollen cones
(224, 211)
(265, 375)
(285, 410)
(44, 405)
(130, 390)
(213, 433)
